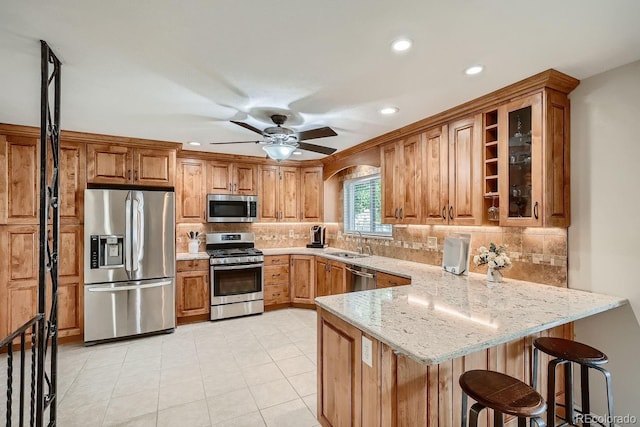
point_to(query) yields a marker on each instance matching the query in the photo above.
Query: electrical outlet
(367, 351)
(291, 235)
(432, 242)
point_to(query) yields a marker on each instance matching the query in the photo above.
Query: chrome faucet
(360, 247)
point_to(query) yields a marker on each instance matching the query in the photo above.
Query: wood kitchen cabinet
(401, 173)
(311, 194)
(125, 165)
(191, 190)
(72, 165)
(276, 280)
(71, 281)
(302, 279)
(385, 280)
(534, 160)
(193, 301)
(19, 181)
(453, 173)
(331, 277)
(232, 178)
(279, 193)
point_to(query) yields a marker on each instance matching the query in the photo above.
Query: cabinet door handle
(275, 275)
(401, 216)
(135, 175)
(235, 188)
(395, 213)
(129, 174)
(535, 210)
(451, 212)
(444, 213)
(230, 187)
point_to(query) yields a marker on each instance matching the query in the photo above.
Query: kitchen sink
(347, 254)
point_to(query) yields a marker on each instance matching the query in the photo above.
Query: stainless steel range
(236, 274)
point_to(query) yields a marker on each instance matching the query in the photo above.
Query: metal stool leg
(464, 410)
(539, 421)
(607, 377)
(570, 414)
(584, 391)
(522, 422)
(498, 420)
(474, 412)
(551, 391)
(534, 373)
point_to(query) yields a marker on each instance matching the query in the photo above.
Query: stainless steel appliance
(129, 263)
(318, 236)
(362, 278)
(455, 258)
(236, 275)
(231, 208)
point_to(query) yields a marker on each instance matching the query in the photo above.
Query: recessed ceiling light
(475, 69)
(389, 110)
(401, 45)
(194, 143)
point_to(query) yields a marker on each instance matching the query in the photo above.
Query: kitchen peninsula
(393, 356)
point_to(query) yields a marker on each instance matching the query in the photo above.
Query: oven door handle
(235, 267)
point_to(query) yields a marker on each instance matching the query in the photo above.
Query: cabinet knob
(129, 174)
(135, 175)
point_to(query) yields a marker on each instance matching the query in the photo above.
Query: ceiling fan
(279, 142)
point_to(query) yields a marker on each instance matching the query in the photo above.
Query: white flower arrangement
(495, 257)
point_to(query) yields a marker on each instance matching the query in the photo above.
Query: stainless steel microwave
(231, 208)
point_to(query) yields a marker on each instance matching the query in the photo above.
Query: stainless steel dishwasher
(362, 278)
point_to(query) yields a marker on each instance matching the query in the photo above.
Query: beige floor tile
(178, 374)
(78, 396)
(305, 384)
(252, 358)
(125, 408)
(250, 420)
(261, 374)
(131, 384)
(312, 403)
(290, 414)
(87, 415)
(223, 382)
(231, 405)
(296, 365)
(146, 420)
(193, 414)
(273, 393)
(286, 351)
(180, 393)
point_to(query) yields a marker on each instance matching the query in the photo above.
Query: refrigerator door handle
(137, 206)
(132, 287)
(127, 235)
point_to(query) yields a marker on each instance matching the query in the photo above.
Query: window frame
(349, 212)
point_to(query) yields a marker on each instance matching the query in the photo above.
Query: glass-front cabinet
(520, 157)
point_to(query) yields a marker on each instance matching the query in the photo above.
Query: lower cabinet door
(276, 294)
(192, 293)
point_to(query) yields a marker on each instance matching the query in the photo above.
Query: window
(362, 206)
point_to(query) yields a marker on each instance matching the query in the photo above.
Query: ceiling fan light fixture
(279, 152)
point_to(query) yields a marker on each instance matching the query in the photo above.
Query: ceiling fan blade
(247, 126)
(316, 148)
(236, 142)
(316, 133)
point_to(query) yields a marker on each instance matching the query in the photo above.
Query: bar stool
(503, 394)
(567, 352)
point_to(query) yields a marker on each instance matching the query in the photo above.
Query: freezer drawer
(116, 310)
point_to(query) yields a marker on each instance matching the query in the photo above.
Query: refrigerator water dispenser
(107, 251)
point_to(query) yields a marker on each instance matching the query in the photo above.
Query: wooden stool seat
(571, 350)
(502, 393)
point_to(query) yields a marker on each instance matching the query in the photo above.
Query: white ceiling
(179, 70)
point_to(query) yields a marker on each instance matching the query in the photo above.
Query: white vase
(494, 275)
(193, 246)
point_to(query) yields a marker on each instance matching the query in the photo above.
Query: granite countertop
(185, 256)
(441, 316)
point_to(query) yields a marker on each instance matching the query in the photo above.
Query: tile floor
(250, 371)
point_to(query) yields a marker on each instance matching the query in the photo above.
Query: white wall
(604, 237)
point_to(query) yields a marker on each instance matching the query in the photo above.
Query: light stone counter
(441, 316)
(185, 256)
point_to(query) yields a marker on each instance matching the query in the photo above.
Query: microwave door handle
(127, 233)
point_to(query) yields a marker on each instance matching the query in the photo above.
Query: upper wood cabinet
(191, 190)
(279, 193)
(72, 164)
(232, 178)
(401, 173)
(19, 180)
(534, 161)
(303, 278)
(311, 194)
(124, 165)
(436, 170)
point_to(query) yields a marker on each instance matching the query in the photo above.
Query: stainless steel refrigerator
(129, 263)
